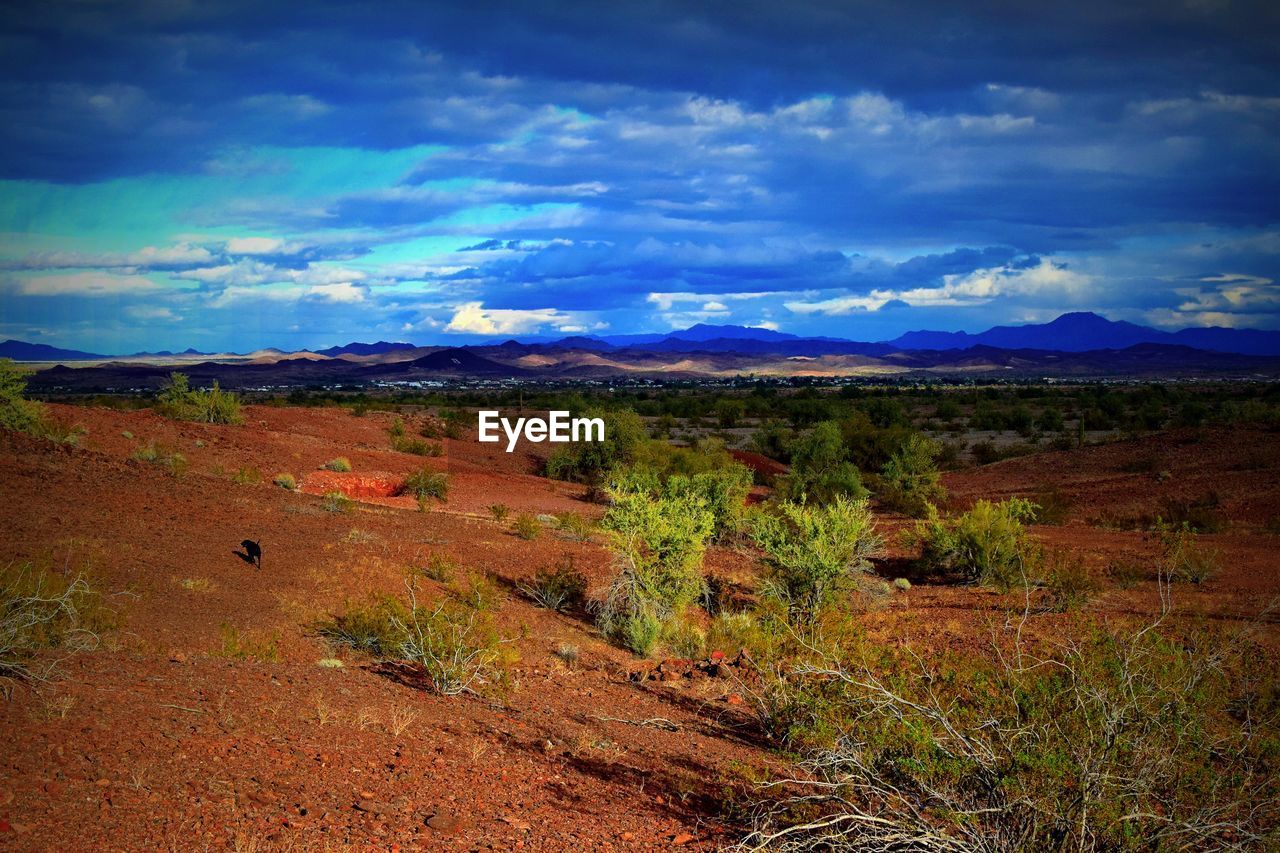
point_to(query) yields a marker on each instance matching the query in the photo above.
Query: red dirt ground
(158, 739)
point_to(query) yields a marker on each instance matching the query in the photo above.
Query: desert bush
(590, 461)
(568, 654)
(556, 587)
(17, 412)
(820, 470)
(285, 481)
(724, 492)
(574, 526)
(526, 526)
(336, 502)
(41, 610)
(499, 512)
(902, 584)
(178, 400)
(1068, 581)
(426, 483)
(658, 544)
(236, 646)
(438, 567)
(1121, 739)
(910, 480)
(987, 544)
(23, 415)
(773, 439)
(811, 553)
(684, 638)
(1183, 557)
(162, 456)
(247, 476)
(341, 464)
(416, 446)
(454, 644)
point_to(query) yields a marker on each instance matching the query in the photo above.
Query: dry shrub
(1121, 738)
(42, 610)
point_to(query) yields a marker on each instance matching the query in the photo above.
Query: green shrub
(684, 639)
(439, 567)
(902, 584)
(370, 628)
(341, 464)
(23, 415)
(285, 481)
(426, 483)
(17, 412)
(910, 481)
(454, 645)
(417, 446)
(336, 502)
(556, 588)
(637, 632)
(42, 610)
(574, 526)
(724, 492)
(247, 476)
(987, 544)
(658, 544)
(526, 526)
(590, 461)
(499, 512)
(811, 553)
(161, 456)
(179, 401)
(820, 470)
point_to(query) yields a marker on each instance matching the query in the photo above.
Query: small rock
(628, 836)
(682, 838)
(444, 822)
(733, 699)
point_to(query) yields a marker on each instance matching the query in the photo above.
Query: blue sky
(234, 175)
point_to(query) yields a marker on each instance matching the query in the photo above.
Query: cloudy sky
(232, 175)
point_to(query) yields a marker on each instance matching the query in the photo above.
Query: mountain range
(1075, 332)
(1073, 345)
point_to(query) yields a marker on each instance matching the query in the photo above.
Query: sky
(237, 175)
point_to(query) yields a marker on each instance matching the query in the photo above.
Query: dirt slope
(160, 740)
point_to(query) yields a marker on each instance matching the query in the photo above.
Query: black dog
(253, 551)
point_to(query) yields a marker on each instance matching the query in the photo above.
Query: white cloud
(179, 254)
(1046, 279)
(152, 313)
(254, 245)
(344, 292)
(473, 318)
(85, 284)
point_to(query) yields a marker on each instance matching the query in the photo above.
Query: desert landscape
(770, 427)
(220, 705)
